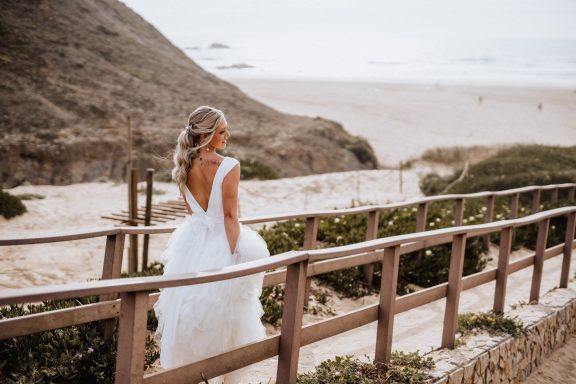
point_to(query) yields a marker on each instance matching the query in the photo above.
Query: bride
(199, 321)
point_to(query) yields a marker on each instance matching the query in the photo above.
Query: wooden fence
(293, 268)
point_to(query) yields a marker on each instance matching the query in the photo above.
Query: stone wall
(487, 359)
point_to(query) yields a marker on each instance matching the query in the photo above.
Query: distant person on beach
(199, 321)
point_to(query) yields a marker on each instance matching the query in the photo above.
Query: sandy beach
(401, 121)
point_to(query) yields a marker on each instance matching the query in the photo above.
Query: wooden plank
(539, 260)
(567, 250)
(417, 299)
(289, 348)
(453, 291)
(112, 269)
(459, 212)
(421, 217)
(386, 311)
(371, 234)
(536, 196)
(65, 291)
(217, 365)
(571, 193)
(488, 218)
(132, 338)
(479, 278)
(161, 215)
(310, 235)
(59, 236)
(502, 271)
(554, 197)
(339, 324)
(147, 216)
(514, 203)
(46, 321)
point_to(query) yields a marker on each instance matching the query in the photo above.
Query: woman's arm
(230, 206)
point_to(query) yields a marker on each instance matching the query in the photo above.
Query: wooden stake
(133, 215)
(148, 215)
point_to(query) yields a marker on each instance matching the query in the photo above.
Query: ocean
(462, 41)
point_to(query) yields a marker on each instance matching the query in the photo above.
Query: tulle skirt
(199, 321)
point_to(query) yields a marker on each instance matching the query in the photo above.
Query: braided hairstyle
(203, 121)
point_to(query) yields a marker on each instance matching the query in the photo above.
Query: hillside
(73, 70)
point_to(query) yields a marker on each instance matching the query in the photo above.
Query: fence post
(148, 215)
(422, 217)
(310, 234)
(514, 203)
(453, 291)
(539, 259)
(536, 195)
(111, 269)
(289, 349)
(459, 212)
(571, 193)
(371, 234)
(488, 219)
(568, 241)
(389, 281)
(554, 197)
(133, 213)
(132, 338)
(502, 271)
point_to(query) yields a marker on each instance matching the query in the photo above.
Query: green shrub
(493, 323)
(252, 169)
(75, 354)
(10, 206)
(513, 167)
(404, 368)
(420, 268)
(457, 156)
(272, 299)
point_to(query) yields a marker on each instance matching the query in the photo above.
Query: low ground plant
(10, 206)
(496, 324)
(404, 368)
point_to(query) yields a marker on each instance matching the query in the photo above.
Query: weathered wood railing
(135, 299)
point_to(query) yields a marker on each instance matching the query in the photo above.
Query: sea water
(466, 41)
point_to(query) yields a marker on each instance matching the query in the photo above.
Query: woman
(198, 321)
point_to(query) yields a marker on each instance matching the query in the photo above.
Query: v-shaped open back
(215, 197)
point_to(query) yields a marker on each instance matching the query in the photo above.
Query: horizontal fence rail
(293, 269)
(61, 236)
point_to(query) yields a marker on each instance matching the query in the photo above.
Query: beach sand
(78, 206)
(401, 121)
(559, 367)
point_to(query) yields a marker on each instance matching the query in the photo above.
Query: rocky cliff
(71, 71)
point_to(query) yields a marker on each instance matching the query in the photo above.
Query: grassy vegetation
(251, 169)
(420, 268)
(457, 156)
(513, 167)
(75, 354)
(491, 322)
(404, 368)
(10, 206)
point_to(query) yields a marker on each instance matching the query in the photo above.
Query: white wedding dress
(199, 321)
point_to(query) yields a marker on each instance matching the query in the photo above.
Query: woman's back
(200, 181)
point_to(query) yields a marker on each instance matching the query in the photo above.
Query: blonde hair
(203, 121)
